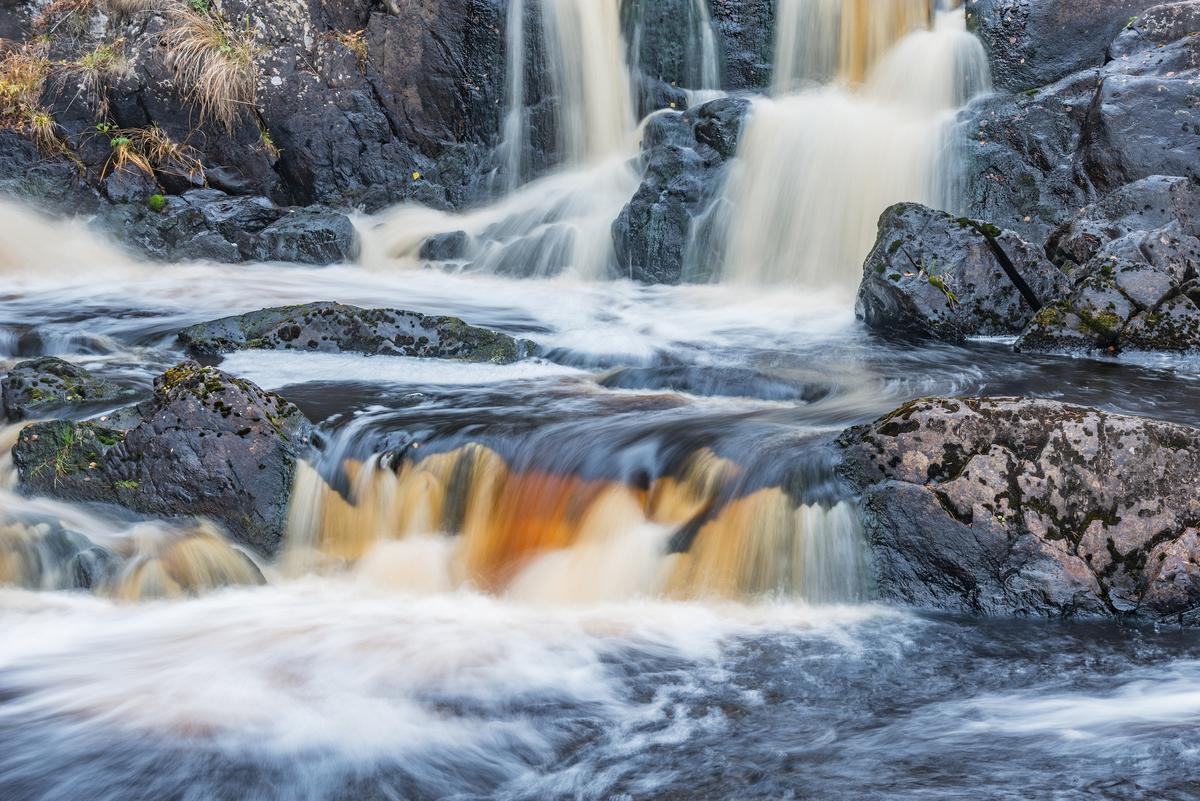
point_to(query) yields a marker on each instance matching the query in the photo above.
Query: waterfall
(546, 536)
(515, 128)
(584, 56)
(817, 166)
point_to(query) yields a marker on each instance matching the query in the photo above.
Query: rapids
(626, 569)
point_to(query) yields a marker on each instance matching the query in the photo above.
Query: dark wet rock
(208, 445)
(1028, 507)
(1151, 204)
(208, 224)
(665, 42)
(1132, 258)
(746, 36)
(1020, 164)
(33, 388)
(1139, 124)
(308, 236)
(719, 382)
(935, 275)
(450, 246)
(1033, 43)
(129, 185)
(337, 328)
(42, 555)
(51, 183)
(686, 156)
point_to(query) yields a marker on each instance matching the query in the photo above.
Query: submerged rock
(935, 275)
(207, 445)
(1001, 506)
(337, 328)
(38, 385)
(686, 157)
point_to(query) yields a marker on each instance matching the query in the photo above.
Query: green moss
(156, 203)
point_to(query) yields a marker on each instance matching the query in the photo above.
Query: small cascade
(474, 521)
(583, 53)
(817, 166)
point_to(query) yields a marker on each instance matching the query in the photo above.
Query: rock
(129, 185)
(208, 445)
(208, 224)
(34, 387)
(309, 236)
(1019, 157)
(686, 157)
(746, 37)
(336, 328)
(934, 275)
(1151, 204)
(1139, 252)
(451, 246)
(1034, 43)
(666, 41)
(1143, 121)
(1001, 506)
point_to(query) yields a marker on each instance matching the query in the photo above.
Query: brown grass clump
(150, 150)
(213, 61)
(65, 17)
(23, 74)
(127, 8)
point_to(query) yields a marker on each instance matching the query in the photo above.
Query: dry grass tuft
(213, 61)
(125, 8)
(150, 150)
(65, 17)
(23, 74)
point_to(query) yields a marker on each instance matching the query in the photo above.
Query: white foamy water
(817, 166)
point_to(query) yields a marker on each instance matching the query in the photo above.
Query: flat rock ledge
(1005, 506)
(208, 445)
(337, 328)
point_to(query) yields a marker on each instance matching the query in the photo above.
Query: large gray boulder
(207, 445)
(1002, 506)
(935, 275)
(338, 328)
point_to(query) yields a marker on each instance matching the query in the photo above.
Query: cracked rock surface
(1002, 506)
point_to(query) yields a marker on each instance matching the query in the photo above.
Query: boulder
(1002, 506)
(37, 386)
(1019, 159)
(308, 236)
(337, 328)
(1143, 120)
(1033, 43)
(1134, 258)
(686, 157)
(932, 274)
(208, 445)
(211, 225)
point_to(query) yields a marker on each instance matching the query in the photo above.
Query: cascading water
(691, 61)
(560, 223)
(468, 519)
(817, 166)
